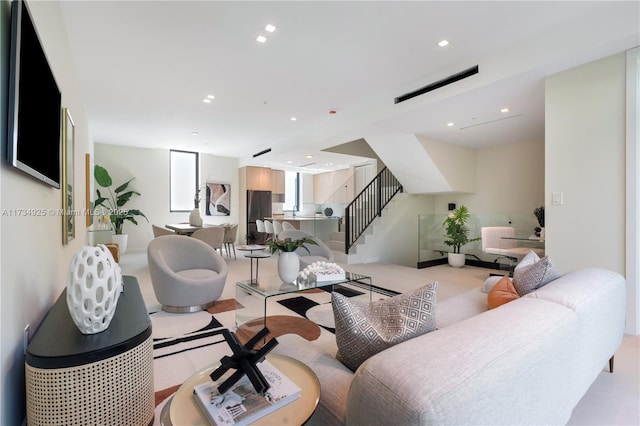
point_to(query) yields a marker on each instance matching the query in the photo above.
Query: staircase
(370, 245)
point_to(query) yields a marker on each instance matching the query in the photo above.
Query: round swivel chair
(187, 274)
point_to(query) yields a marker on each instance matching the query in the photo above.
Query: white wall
(509, 180)
(33, 260)
(585, 157)
(152, 181)
(633, 190)
(586, 143)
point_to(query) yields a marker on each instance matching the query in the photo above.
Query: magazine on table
(241, 404)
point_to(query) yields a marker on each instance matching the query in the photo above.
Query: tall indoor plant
(288, 261)
(114, 203)
(457, 233)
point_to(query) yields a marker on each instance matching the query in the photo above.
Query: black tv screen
(34, 122)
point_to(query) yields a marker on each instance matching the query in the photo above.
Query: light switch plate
(557, 198)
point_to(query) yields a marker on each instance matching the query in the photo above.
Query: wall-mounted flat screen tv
(34, 121)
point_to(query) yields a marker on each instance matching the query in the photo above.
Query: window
(184, 180)
(291, 192)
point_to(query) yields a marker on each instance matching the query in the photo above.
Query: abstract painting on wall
(218, 199)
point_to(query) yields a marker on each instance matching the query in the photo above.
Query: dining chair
(212, 235)
(230, 235)
(159, 231)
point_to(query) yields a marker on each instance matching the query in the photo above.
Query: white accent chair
(320, 252)
(213, 235)
(187, 274)
(493, 242)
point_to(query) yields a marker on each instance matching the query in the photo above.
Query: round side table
(183, 410)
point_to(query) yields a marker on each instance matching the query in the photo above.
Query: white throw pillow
(490, 282)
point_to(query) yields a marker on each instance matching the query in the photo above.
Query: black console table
(103, 378)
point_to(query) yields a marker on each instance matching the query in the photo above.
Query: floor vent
(438, 84)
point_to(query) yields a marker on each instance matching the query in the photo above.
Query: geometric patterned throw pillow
(531, 277)
(365, 328)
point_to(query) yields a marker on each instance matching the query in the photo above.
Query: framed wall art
(68, 142)
(218, 199)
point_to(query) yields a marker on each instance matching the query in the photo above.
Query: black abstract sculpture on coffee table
(244, 361)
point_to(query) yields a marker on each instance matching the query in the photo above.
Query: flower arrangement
(288, 245)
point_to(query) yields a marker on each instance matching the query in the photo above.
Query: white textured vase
(194, 217)
(288, 266)
(94, 283)
(121, 240)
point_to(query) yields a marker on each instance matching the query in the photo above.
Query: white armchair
(187, 274)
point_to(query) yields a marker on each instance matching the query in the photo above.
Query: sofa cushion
(531, 277)
(364, 329)
(501, 293)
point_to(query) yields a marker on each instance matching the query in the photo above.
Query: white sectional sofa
(526, 362)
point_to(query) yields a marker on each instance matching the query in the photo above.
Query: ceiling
(146, 66)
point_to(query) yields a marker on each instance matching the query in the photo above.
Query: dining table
(187, 229)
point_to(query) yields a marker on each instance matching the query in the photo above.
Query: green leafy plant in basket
(289, 245)
(457, 230)
(116, 199)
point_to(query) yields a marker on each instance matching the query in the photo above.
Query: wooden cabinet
(277, 182)
(258, 178)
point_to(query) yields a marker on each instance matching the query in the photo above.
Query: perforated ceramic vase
(94, 282)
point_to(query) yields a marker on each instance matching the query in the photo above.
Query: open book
(241, 405)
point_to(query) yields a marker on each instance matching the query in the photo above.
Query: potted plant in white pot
(457, 233)
(114, 203)
(288, 261)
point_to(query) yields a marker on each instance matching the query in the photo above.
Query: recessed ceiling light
(443, 43)
(451, 124)
(289, 162)
(308, 156)
(206, 100)
(210, 97)
(293, 118)
(261, 38)
(195, 133)
(270, 28)
(504, 110)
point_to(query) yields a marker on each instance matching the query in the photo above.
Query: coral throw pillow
(501, 293)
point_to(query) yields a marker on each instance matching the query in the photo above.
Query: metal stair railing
(368, 205)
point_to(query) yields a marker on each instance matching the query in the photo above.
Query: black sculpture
(244, 361)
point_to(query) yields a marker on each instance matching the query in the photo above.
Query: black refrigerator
(258, 207)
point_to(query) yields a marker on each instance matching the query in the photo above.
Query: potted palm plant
(288, 261)
(457, 233)
(114, 203)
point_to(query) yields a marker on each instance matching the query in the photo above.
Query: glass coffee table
(252, 296)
